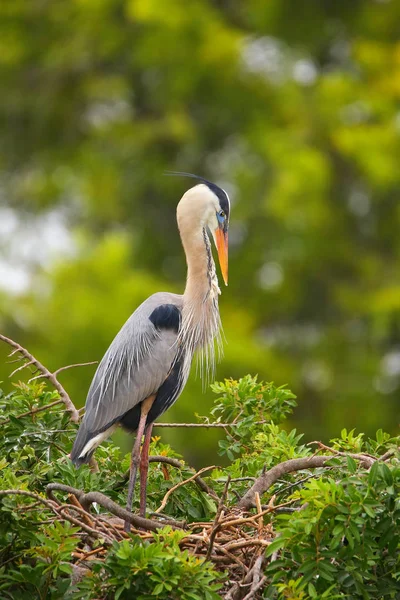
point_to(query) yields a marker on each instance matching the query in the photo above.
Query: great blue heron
(147, 365)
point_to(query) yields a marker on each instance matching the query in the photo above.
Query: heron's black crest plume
(218, 191)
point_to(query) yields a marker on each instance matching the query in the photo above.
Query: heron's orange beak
(221, 239)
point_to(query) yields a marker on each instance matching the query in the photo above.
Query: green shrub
(333, 531)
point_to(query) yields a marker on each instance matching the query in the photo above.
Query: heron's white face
(200, 208)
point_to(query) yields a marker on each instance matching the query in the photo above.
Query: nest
(234, 541)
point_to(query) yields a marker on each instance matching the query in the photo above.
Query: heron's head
(206, 206)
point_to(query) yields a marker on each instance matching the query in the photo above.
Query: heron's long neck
(200, 315)
(201, 277)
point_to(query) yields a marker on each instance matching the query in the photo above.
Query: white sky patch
(304, 72)
(270, 275)
(265, 56)
(28, 243)
(359, 203)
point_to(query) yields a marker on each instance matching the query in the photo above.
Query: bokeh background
(293, 107)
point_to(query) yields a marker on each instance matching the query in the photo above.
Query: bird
(147, 365)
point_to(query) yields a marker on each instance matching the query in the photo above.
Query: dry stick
(60, 369)
(215, 526)
(235, 593)
(264, 482)
(58, 510)
(253, 519)
(85, 364)
(174, 462)
(256, 577)
(244, 543)
(86, 499)
(69, 406)
(180, 484)
(259, 509)
(90, 530)
(95, 524)
(75, 502)
(86, 555)
(387, 455)
(118, 534)
(255, 589)
(180, 464)
(218, 548)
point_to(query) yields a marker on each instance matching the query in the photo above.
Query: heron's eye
(221, 216)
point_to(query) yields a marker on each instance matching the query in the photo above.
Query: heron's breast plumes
(201, 333)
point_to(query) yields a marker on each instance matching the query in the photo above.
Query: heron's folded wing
(134, 367)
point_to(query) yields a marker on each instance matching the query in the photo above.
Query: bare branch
(86, 499)
(27, 364)
(255, 588)
(180, 484)
(218, 515)
(386, 456)
(174, 462)
(264, 482)
(49, 503)
(85, 364)
(69, 406)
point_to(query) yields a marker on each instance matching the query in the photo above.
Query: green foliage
(346, 539)
(159, 569)
(292, 106)
(248, 403)
(335, 529)
(35, 554)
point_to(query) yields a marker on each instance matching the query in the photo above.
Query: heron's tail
(86, 443)
(78, 454)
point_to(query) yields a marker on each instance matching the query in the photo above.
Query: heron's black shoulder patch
(166, 316)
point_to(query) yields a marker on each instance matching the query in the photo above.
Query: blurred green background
(293, 107)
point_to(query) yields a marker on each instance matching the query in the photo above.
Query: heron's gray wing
(137, 362)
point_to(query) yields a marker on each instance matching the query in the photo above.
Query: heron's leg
(144, 468)
(135, 456)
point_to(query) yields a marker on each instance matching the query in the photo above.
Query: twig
(215, 526)
(86, 555)
(259, 509)
(85, 364)
(235, 479)
(364, 458)
(296, 483)
(253, 519)
(180, 465)
(174, 462)
(206, 425)
(75, 502)
(34, 411)
(69, 406)
(31, 362)
(49, 503)
(255, 588)
(180, 484)
(236, 592)
(387, 455)
(98, 534)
